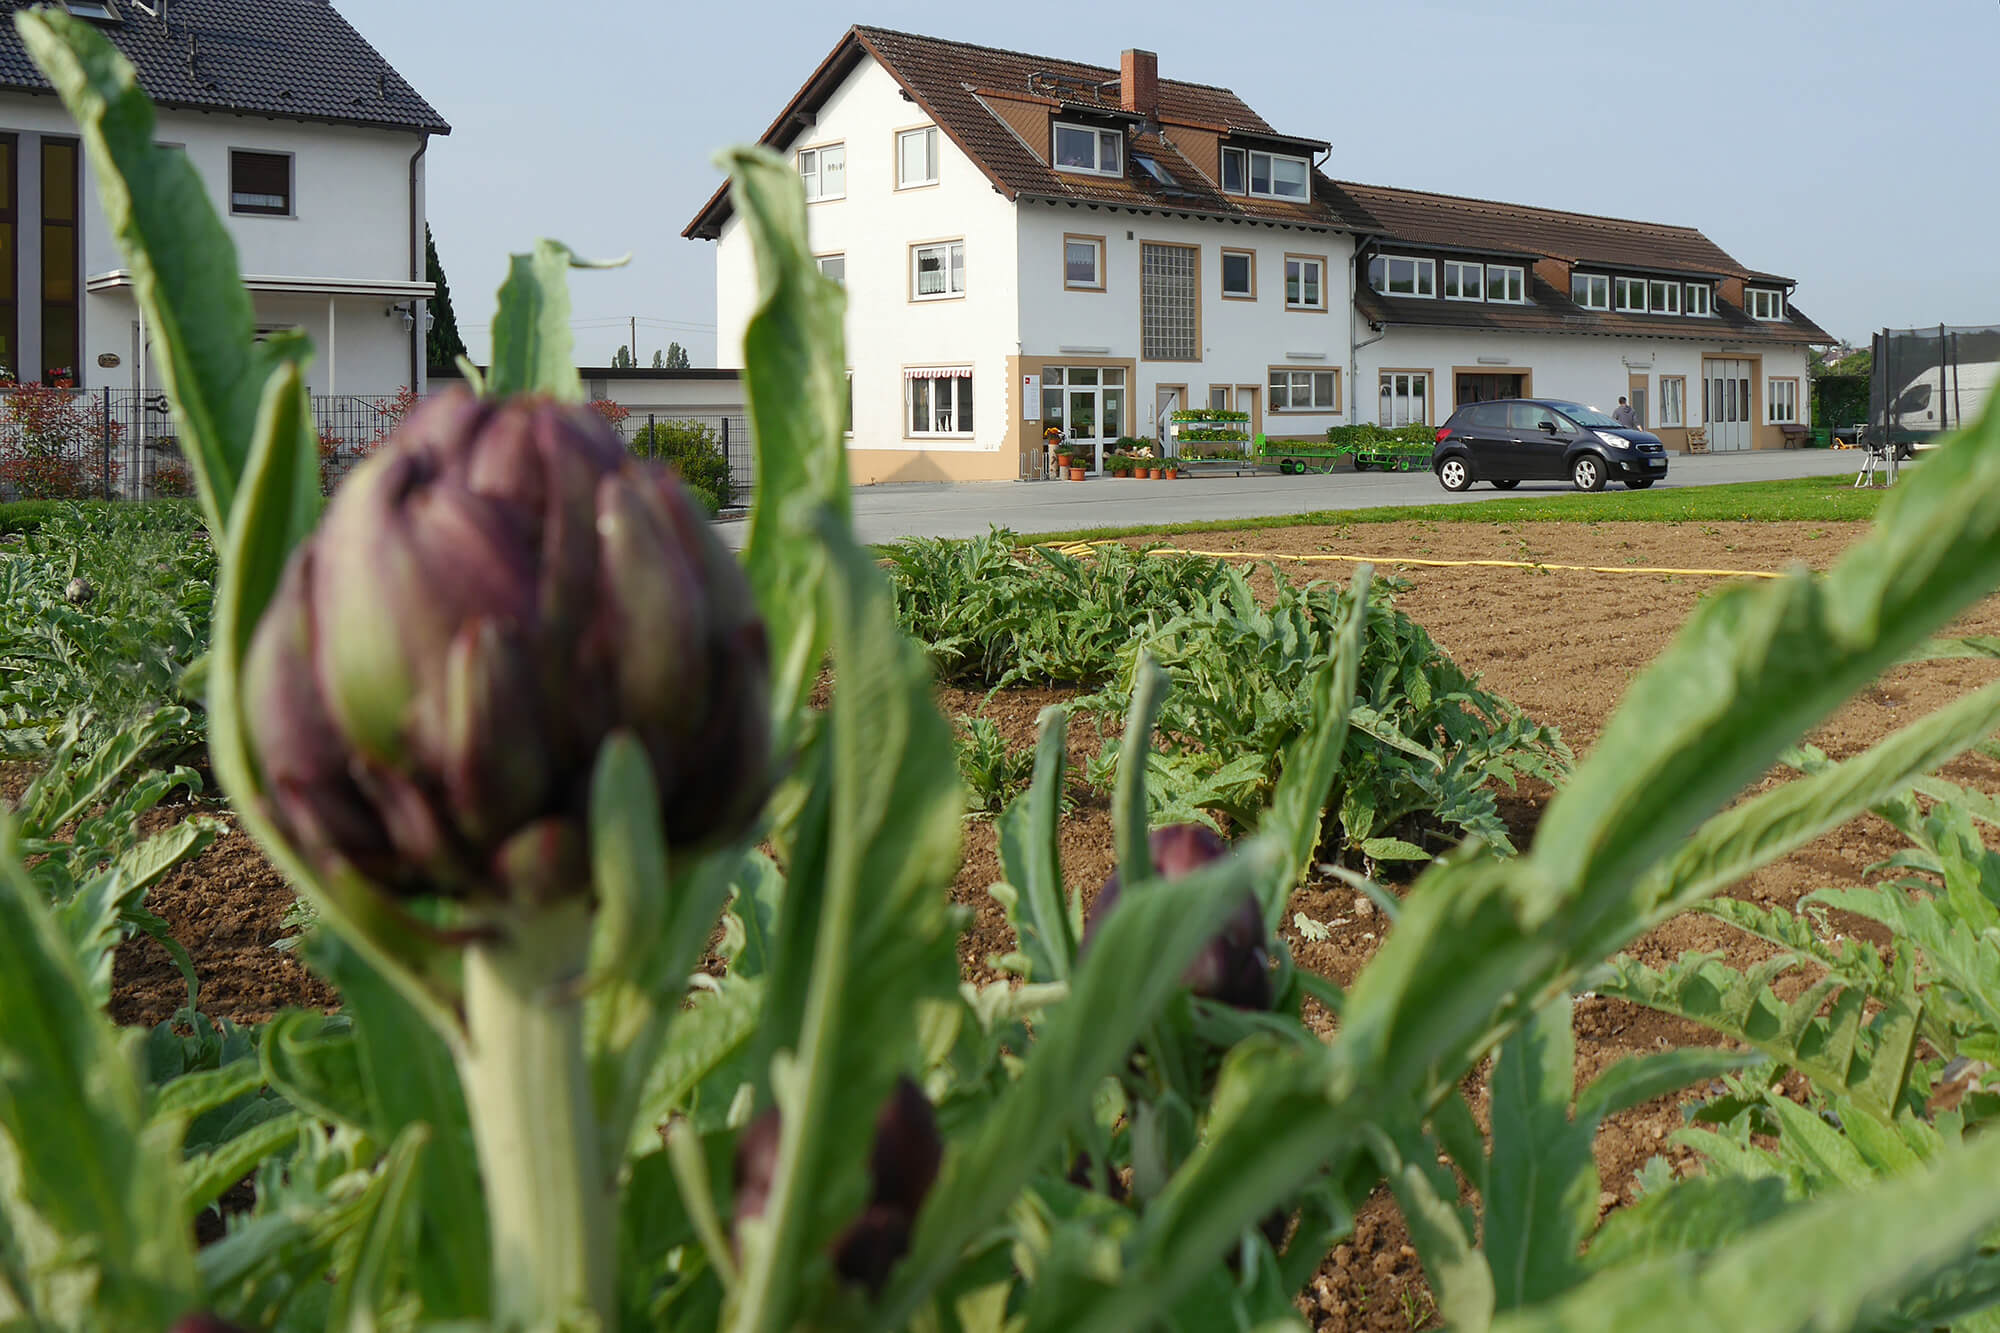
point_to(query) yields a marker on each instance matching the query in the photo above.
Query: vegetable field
(974, 940)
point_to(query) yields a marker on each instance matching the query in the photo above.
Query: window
(61, 258)
(10, 309)
(1399, 275)
(91, 9)
(1631, 295)
(1765, 303)
(1235, 171)
(917, 157)
(834, 266)
(1673, 400)
(260, 183)
(1592, 291)
(824, 171)
(1305, 390)
(1083, 263)
(1273, 176)
(1218, 397)
(1664, 297)
(849, 428)
(1080, 148)
(1698, 299)
(1305, 283)
(1169, 303)
(940, 401)
(1239, 275)
(1405, 398)
(937, 272)
(1506, 282)
(1783, 399)
(1464, 282)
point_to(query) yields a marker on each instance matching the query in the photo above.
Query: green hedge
(28, 515)
(694, 452)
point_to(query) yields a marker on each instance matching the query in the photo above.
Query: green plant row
(1210, 414)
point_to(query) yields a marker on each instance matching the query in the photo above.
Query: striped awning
(936, 372)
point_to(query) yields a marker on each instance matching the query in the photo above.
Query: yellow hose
(1086, 548)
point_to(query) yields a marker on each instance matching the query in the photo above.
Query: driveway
(966, 509)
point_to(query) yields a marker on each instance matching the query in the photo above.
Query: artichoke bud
(489, 598)
(78, 591)
(1233, 967)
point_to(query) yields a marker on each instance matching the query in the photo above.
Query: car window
(1589, 416)
(1527, 416)
(1482, 416)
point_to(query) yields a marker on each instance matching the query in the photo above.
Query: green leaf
(73, 1138)
(1638, 1079)
(533, 351)
(1128, 798)
(204, 1178)
(388, 1219)
(1028, 837)
(1462, 1277)
(183, 262)
(1541, 1195)
(796, 383)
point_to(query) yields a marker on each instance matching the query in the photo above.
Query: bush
(52, 445)
(693, 452)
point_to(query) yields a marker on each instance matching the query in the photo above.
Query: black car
(1513, 440)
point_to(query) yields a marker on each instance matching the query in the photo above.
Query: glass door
(1088, 402)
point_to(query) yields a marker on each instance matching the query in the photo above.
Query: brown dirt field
(1563, 645)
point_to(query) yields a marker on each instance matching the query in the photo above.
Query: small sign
(108, 360)
(1031, 397)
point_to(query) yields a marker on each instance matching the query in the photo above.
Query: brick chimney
(1139, 82)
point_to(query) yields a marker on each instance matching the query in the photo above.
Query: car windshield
(1584, 416)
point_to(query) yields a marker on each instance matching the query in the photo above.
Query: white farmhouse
(312, 148)
(1027, 241)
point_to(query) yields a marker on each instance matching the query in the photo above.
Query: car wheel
(1638, 484)
(1454, 474)
(1588, 473)
(1507, 485)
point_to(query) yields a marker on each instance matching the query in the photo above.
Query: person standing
(1625, 416)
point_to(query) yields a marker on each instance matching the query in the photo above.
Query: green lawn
(1801, 499)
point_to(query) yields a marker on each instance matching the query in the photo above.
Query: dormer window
(1093, 152)
(1664, 297)
(1591, 291)
(1699, 299)
(1266, 175)
(1765, 303)
(1402, 275)
(1631, 294)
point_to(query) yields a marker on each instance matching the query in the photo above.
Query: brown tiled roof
(1551, 311)
(944, 78)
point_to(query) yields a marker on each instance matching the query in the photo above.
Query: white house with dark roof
(313, 150)
(1028, 241)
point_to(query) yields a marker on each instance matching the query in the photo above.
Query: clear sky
(1852, 146)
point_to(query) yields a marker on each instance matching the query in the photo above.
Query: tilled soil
(1562, 644)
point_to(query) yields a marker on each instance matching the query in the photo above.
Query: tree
(659, 359)
(677, 357)
(442, 345)
(622, 359)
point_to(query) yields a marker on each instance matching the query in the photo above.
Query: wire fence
(111, 444)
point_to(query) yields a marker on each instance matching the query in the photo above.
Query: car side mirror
(1549, 426)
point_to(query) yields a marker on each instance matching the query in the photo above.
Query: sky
(1848, 145)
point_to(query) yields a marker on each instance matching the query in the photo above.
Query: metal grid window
(1169, 309)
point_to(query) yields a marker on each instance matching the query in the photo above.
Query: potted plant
(1173, 472)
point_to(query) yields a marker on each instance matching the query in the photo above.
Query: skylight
(92, 9)
(1156, 171)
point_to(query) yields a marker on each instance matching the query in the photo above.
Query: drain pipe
(1358, 273)
(418, 330)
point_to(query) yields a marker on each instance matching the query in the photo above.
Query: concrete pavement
(967, 509)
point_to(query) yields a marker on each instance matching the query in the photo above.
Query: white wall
(665, 397)
(1241, 340)
(874, 227)
(351, 204)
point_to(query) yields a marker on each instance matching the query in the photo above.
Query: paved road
(966, 509)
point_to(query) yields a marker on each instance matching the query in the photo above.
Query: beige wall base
(876, 467)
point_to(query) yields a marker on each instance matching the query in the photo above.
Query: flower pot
(1153, 473)
(1076, 474)
(1173, 474)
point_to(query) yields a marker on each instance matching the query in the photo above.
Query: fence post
(729, 463)
(652, 437)
(106, 437)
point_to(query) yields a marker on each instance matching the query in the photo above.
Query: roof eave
(1152, 205)
(439, 126)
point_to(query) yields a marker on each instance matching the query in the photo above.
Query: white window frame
(954, 270)
(838, 257)
(1698, 300)
(1513, 284)
(1663, 296)
(1270, 190)
(959, 430)
(929, 134)
(1391, 384)
(1457, 269)
(1771, 301)
(815, 180)
(1790, 386)
(1622, 298)
(1241, 156)
(1423, 275)
(1100, 139)
(1673, 405)
(1247, 294)
(1595, 285)
(1096, 244)
(1305, 262)
(1282, 387)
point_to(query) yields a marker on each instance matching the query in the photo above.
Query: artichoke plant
(1234, 967)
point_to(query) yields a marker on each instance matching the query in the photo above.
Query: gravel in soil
(1563, 645)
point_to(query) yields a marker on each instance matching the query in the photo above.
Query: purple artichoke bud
(488, 599)
(904, 1163)
(865, 1253)
(756, 1163)
(1234, 966)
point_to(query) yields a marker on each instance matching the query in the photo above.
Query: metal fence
(112, 444)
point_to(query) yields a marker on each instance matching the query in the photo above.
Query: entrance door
(1249, 400)
(1166, 401)
(1726, 404)
(1088, 402)
(1640, 407)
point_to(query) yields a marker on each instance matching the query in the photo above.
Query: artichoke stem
(527, 1087)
